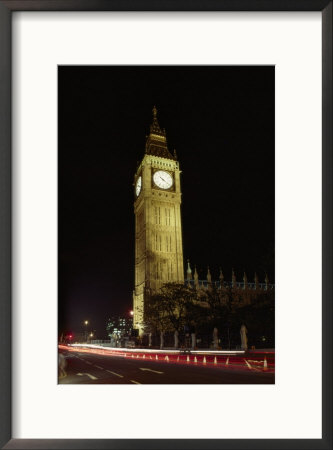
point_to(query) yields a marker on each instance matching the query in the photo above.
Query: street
(89, 368)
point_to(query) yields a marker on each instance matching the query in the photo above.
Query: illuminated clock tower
(158, 228)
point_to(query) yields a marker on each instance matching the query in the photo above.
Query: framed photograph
(166, 249)
(180, 310)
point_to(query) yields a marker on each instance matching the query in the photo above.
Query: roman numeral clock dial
(163, 179)
(138, 186)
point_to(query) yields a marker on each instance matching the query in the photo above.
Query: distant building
(119, 326)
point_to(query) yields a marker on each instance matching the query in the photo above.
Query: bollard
(188, 358)
(195, 359)
(204, 360)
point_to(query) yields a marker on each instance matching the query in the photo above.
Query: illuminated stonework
(158, 228)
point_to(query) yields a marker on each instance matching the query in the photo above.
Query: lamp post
(86, 322)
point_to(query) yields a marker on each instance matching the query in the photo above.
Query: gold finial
(189, 271)
(154, 111)
(209, 277)
(188, 267)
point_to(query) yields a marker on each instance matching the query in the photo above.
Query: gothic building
(158, 229)
(243, 291)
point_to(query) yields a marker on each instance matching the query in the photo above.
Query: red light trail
(257, 361)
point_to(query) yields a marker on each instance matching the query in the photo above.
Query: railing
(228, 340)
(238, 284)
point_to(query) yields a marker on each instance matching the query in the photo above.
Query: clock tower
(158, 228)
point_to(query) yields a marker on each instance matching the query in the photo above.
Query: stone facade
(158, 229)
(243, 292)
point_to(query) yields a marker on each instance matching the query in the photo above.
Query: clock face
(138, 186)
(163, 179)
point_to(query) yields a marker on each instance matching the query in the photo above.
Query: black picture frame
(7, 7)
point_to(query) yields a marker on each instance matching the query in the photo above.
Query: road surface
(88, 368)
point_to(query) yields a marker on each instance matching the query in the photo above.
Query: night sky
(219, 119)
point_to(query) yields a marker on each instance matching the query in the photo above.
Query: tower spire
(256, 280)
(196, 278)
(233, 278)
(245, 281)
(156, 143)
(221, 277)
(154, 127)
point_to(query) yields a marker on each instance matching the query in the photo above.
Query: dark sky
(219, 119)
